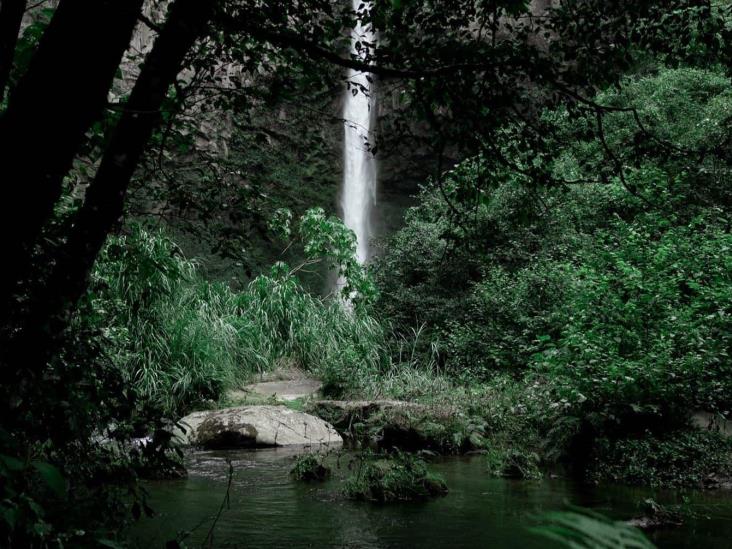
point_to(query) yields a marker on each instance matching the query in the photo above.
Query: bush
(483, 291)
(648, 323)
(681, 458)
(615, 293)
(174, 336)
(513, 462)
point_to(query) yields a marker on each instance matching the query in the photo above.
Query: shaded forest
(546, 295)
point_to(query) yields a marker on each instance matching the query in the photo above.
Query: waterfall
(358, 193)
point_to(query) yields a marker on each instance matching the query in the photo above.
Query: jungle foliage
(612, 288)
(566, 285)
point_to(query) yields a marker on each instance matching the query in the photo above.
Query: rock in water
(254, 427)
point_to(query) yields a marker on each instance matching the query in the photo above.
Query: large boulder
(254, 427)
(343, 413)
(708, 421)
(406, 425)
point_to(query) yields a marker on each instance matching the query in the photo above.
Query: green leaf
(51, 476)
(10, 516)
(109, 543)
(11, 463)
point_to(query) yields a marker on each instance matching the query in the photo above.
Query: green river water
(268, 509)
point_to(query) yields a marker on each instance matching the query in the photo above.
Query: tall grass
(316, 334)
(182, 342)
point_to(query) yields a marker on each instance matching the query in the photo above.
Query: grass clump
(310, 467)
(173, 336)
(397, 477)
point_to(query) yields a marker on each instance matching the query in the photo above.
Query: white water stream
(358, 194)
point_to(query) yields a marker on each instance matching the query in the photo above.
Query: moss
(399, 477)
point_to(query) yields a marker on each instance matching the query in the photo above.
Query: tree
(11, 16)
(496, 64)
(55, 102)
(103, 204)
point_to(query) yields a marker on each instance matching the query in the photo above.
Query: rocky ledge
(254, 427)
(409, 426)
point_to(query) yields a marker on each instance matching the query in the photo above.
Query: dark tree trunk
(54, 104)
(105, 196)
(11, 16)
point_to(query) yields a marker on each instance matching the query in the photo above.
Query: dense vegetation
(559, 296)
(612, 294)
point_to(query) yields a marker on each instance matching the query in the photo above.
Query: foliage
(68, 468)
(328, 238)
(174, 337)
(484, 289)
(612, 287)
(581, 528)
(513, 463)
(679, 458)
(182, 342)
(397, 477)
(310, 467)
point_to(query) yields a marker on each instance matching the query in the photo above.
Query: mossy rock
(310, 468)
(401, 477)
(407, 426)
(514, 462)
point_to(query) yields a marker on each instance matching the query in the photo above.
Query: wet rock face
(254, 427)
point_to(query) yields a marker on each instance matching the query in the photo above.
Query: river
(269, 509)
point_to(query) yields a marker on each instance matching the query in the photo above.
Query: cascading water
(358, 194)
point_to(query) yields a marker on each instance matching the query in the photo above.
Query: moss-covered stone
(408, 426)
(513, 462)
(310, 467)
(399, 477)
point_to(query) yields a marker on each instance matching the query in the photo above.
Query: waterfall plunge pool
(269, 509)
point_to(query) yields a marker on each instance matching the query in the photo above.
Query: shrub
(174, 336)
(513, 462)
(680, 458)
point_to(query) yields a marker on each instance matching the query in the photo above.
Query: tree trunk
(103, 204)
(11, 16)
(54, 104)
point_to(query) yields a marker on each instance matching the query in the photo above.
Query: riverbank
(512, 422)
